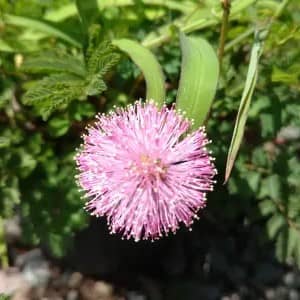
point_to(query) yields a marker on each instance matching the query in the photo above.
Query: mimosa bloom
(141, 169)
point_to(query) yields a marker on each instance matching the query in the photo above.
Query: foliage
(198, 79)
(69, 78)
(55, 66)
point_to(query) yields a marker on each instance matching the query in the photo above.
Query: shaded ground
(207, 263)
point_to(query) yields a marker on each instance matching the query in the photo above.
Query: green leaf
(198, 79)
(80, 110)
(293, 240)
(289, 76)
(40, 25)
(273, 183)
(54, 92)
(149, 65)
(297, 253)
(96, 85)
(54, 62)
(267, 207)
(242, 115)
(4, 47)
(61, 13)
(102, 58)
(94, 39)
(69, 10)
(57, 244)
(87, 10)
(281, 244)
(274, 224)
(254, 179)
(59, 126)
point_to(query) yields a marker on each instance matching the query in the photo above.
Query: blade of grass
(242, 115)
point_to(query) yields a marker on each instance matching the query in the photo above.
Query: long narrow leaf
(242, 115)
(40, 25)
(87, 12)
(54, 62)
(149, 65)
(198, 79)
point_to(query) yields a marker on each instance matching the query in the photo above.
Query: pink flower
(140, 169)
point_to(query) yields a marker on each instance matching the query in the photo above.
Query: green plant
(70, 74)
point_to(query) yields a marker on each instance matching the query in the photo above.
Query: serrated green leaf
(54, 92)
(102, 59)
(149, 66)
(198, 79)
(94, 39)
(96, 85)
(54, 62)
(242, 115)
(40, 25)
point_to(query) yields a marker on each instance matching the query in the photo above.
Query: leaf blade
(242, 115)
(149, 65)
(87, 11)
(54, 62)
(40, 25)
(198, 79)
(54, 92)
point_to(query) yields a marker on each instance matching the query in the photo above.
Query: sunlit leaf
(241, 119)
(149, 65)
(40, 25)
(198, 79)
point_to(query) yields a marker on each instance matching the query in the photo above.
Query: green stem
(238, 39)
(3, 247)
(281, 7)
(224, 29)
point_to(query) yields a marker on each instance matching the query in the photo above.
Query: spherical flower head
(141, 169)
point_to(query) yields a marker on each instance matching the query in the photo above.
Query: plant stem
(238, 39)
(224, 29)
